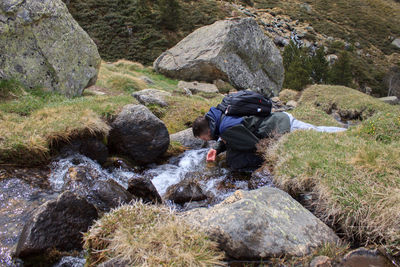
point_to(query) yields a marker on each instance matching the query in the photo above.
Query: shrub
(319, 67)
(341, 71)
(9, 89)
(297, 67)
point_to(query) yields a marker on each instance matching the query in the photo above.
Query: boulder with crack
(234, 50)
(42, 45)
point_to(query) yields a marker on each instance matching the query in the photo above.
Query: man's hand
(211, 155)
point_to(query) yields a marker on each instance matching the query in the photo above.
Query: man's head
(201, 129)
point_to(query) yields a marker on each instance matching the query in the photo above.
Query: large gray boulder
(234, 50)
(138, 134)
(396, 42)
(56, 224)
(392, 100)
(262, 223)
(42, 45)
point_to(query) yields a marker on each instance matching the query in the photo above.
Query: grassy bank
(353, 177)
(149, 235)
(31, 121)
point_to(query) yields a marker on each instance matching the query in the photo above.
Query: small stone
(281, 41)
(187, 139)
(364, 257)
(292, 103)
(275, 99)
(146, 79)
(321, 261)
(152, 97)
(331, 59)
(198, 87)
(392, 100)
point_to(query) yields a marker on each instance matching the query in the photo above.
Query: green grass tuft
(31, 120)
(149, 235)
(354, 176)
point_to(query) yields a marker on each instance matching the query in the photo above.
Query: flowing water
(19, 197)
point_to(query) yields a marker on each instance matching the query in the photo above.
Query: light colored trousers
(300, 125)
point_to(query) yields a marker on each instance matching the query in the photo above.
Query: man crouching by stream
(238, 136)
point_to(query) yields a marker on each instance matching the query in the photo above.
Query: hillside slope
(141, 30)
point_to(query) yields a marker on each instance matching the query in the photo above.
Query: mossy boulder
(43, 46)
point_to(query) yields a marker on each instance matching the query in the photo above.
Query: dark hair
(200, 126)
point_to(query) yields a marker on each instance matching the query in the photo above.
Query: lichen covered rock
(234, 50)
(42, 45)
(262, 223)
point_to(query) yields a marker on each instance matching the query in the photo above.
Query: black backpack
(245, 103)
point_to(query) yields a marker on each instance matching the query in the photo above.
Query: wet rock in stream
(90, 184)
(106, 195)
(70, 262)
(56, 224)
(138, 134)
(185, 191)
(91, 147)
(144, 189)
(18, 199)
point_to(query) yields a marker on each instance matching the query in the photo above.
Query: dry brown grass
(184, 110)
(148, 235)
(288, 94)
(32, 120)
(354, 176)
(120, 77)
(31, 137)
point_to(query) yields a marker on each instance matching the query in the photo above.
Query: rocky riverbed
(81, 175)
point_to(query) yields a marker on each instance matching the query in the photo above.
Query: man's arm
(240, 138)
(220, 146)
